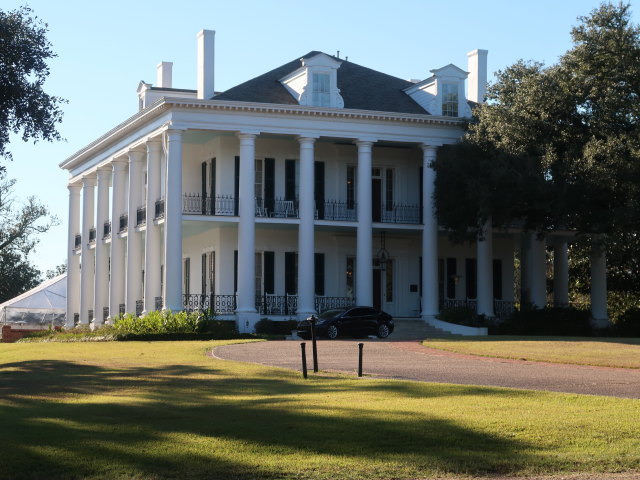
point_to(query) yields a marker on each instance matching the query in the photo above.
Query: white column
(73, 260)
(87, 269)
(152, 250)
(430, 307)
(246, 308)
(598, 285)
(134, 239)
(538, 271)
(306, 245)
(485, 270)
(560, 272)
(173, 223)
(364, 253)
(118, 244)
(101, 291)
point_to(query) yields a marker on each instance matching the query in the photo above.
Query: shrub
(157, 322)
(628, 324)
(459, 315)
(547, 321)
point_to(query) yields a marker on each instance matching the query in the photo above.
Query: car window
(370, 311)
(357, 312)
(328, 314)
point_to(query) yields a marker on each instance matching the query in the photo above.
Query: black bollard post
(314, 348)
(304, 359)
(360, 347)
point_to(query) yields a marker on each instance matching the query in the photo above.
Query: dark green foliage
(24, 105)
(267, 326)
(569, 322)
(460, 316)
(628, 324)
(17, 275)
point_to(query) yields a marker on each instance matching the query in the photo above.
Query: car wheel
(332, 332)
(383, 331)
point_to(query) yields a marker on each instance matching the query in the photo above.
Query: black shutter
(187, 276)
(213, 186)
(319, 188)
(203, 182)
(290, 180)
(420, 279)
(319, 273)
(497, 279)
(236, 189)
(269, 184)
(451, 277)
(269, 274)
(203, 273)
(421, 183)
(471, 278)
(235, 271)
(441, 281)
(290, 273)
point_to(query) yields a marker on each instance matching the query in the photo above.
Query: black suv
(353, 321)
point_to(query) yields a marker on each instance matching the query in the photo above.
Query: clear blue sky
(105, 48)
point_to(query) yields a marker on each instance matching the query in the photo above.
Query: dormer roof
(361, 88)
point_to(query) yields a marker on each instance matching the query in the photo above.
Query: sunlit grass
(165, 410)
(604, 352)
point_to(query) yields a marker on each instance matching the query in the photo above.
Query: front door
(383, 286)
(377, 288)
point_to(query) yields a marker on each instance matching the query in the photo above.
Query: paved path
(412, 361)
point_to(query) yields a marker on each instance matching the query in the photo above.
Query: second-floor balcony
(397, 213)
(141, 216)
(196, 204)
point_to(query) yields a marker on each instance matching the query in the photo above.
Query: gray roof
(361, 88)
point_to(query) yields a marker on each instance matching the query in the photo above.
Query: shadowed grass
(603, 352)
(165, 410)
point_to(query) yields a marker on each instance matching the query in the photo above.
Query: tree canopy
(554, 147)
(24, 105)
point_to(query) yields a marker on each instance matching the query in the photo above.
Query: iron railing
(105, 313)
(276, 304)
(196, 204)
(277, 208)
(209, 303)
(139, 307)
(106, 229)
(328, 303)
(158, 303)
(90, 315)
(121, 309)
(400, 213)
(76, 319)
(141, 216)
(453, 303)
(338, 211)
(124, 223)
(504, 308)
(159, 209)
(78, 241)
(92, 235)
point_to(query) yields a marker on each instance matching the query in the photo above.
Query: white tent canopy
(42, 306)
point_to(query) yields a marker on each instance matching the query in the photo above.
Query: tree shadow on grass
(65, 420)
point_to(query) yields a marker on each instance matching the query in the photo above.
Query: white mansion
(304, 188)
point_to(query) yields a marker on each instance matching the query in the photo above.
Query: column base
(427, 317)
(303, 315)
(599, 323)
(246, 321)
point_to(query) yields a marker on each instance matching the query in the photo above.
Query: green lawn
(164, 410)
(603, 352)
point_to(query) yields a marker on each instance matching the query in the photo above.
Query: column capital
(103, 173)
(176, 132)
(430, 148)
(306, 140)
(89, 180)
(246, 136)
(74, 188)
(154, 144)
(364, 143)
(119, 164)
(136, 153)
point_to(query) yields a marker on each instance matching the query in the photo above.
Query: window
(388, 195)
(450, 100)
(351, 187)
(351, 267)
(212, 272)
(259, 275)
(471, 278)
(259, 183)
(497, 279)
(452, 277)
(321, 90)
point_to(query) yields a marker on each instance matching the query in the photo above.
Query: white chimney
(206, 56)
(164, 75)
(477, 80)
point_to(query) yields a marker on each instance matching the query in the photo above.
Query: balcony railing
(338, 211)
(121, 309)
(90, 315)
(158, 303)
(105, 313)
(400, 213)
(196, 204)
(92, 235)
(276, 304)
(139, 307)
(106, 229)
(124, 223)
(141, 216)
(327, 303)
(78, 241)
(209, 303)
(159, 209)
(277, 208)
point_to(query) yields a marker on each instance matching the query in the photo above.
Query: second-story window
(321, 90)
(351, 187)
(450, 100)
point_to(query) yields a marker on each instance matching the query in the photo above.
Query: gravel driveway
(412, 361)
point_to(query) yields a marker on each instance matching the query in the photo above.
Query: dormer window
(321, 90)
(315, 83)
(450, 100)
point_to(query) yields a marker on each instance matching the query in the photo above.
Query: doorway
(383, 286)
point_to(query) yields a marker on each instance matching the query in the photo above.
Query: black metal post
(360, 347)
(304, 359)
(312, 320)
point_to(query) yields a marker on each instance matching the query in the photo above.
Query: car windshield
(327, 314)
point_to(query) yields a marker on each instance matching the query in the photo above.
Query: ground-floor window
(497, 279)
(319, 273)
(350, 276)
(291, 273)
(471, 279)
